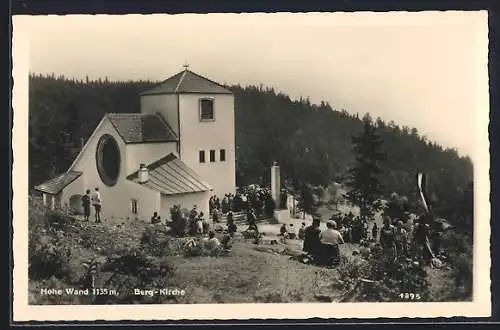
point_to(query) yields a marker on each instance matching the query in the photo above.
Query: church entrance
(75, 204)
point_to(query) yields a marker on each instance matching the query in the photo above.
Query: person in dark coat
(375, 232)
(155, 218)
(312, 243)
(86, 205)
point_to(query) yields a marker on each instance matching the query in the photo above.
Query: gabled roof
(187, 82)
(170, 176)
(140, 128)
(55, 185)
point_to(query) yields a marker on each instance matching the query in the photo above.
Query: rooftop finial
(186, 65)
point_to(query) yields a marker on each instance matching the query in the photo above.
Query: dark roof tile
(140, 128)
(55, 185)
(170, 176)
(187, 82)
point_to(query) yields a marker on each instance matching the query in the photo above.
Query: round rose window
(108, 160)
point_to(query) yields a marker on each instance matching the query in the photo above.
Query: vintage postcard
(251, 166)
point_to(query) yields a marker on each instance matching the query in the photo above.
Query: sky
(424, 70)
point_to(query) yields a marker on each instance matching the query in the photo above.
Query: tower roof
(187, 82)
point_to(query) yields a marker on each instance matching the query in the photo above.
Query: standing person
(400, 239)
(86, 205)
(204, 224)
(211, 204)
(251, 217)
(215, 215)
(421, 233)
(231, 227)
(97, 202)
(312, 243)
(193, 217)
(199, 224)
(330, 239)
(387, 240)
(374, 232)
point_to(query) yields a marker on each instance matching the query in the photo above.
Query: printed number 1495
(409, 296)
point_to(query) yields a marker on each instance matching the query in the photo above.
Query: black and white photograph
(257, 165)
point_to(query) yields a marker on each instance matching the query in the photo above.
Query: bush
(50, 258)
(154, 241)
(49, 247)
(135, 270)
(384, 282)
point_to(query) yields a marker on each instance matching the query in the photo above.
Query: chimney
(143, 174)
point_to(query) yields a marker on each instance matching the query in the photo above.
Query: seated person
(283, 231)
(302, 231)
(312, 243)
(331, 239)
(213, 245)
(364, 249)
(226, 241)
(155, 218)
(291, 233)
(252, 227)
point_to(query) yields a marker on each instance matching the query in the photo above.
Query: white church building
(180, 149)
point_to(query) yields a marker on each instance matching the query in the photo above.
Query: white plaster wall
(185, 201)
(219, 134)
(116, 199)
(147, 153)
(74, 188)
(166, 104)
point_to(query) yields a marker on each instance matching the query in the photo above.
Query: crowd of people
(402, 235)
(256, 198)
(405, 236)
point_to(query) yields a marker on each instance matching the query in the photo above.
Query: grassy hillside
(121, 256)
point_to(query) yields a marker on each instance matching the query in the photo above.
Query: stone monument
(276, 184)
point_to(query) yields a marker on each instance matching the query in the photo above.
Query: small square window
(207, 110)
(133, 206)
(202, 156)
(222, 155)
(212, 156)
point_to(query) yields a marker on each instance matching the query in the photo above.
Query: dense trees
(365, 187)
(312, 142)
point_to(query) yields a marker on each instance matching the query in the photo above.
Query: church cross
(185, 66)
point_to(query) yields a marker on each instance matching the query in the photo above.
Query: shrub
(49, 245)
(132, 270)
(50, 258)
(385, 282)
(154, 241)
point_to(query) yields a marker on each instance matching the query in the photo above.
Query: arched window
(108, 160)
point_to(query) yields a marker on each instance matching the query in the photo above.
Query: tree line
(311, 142)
